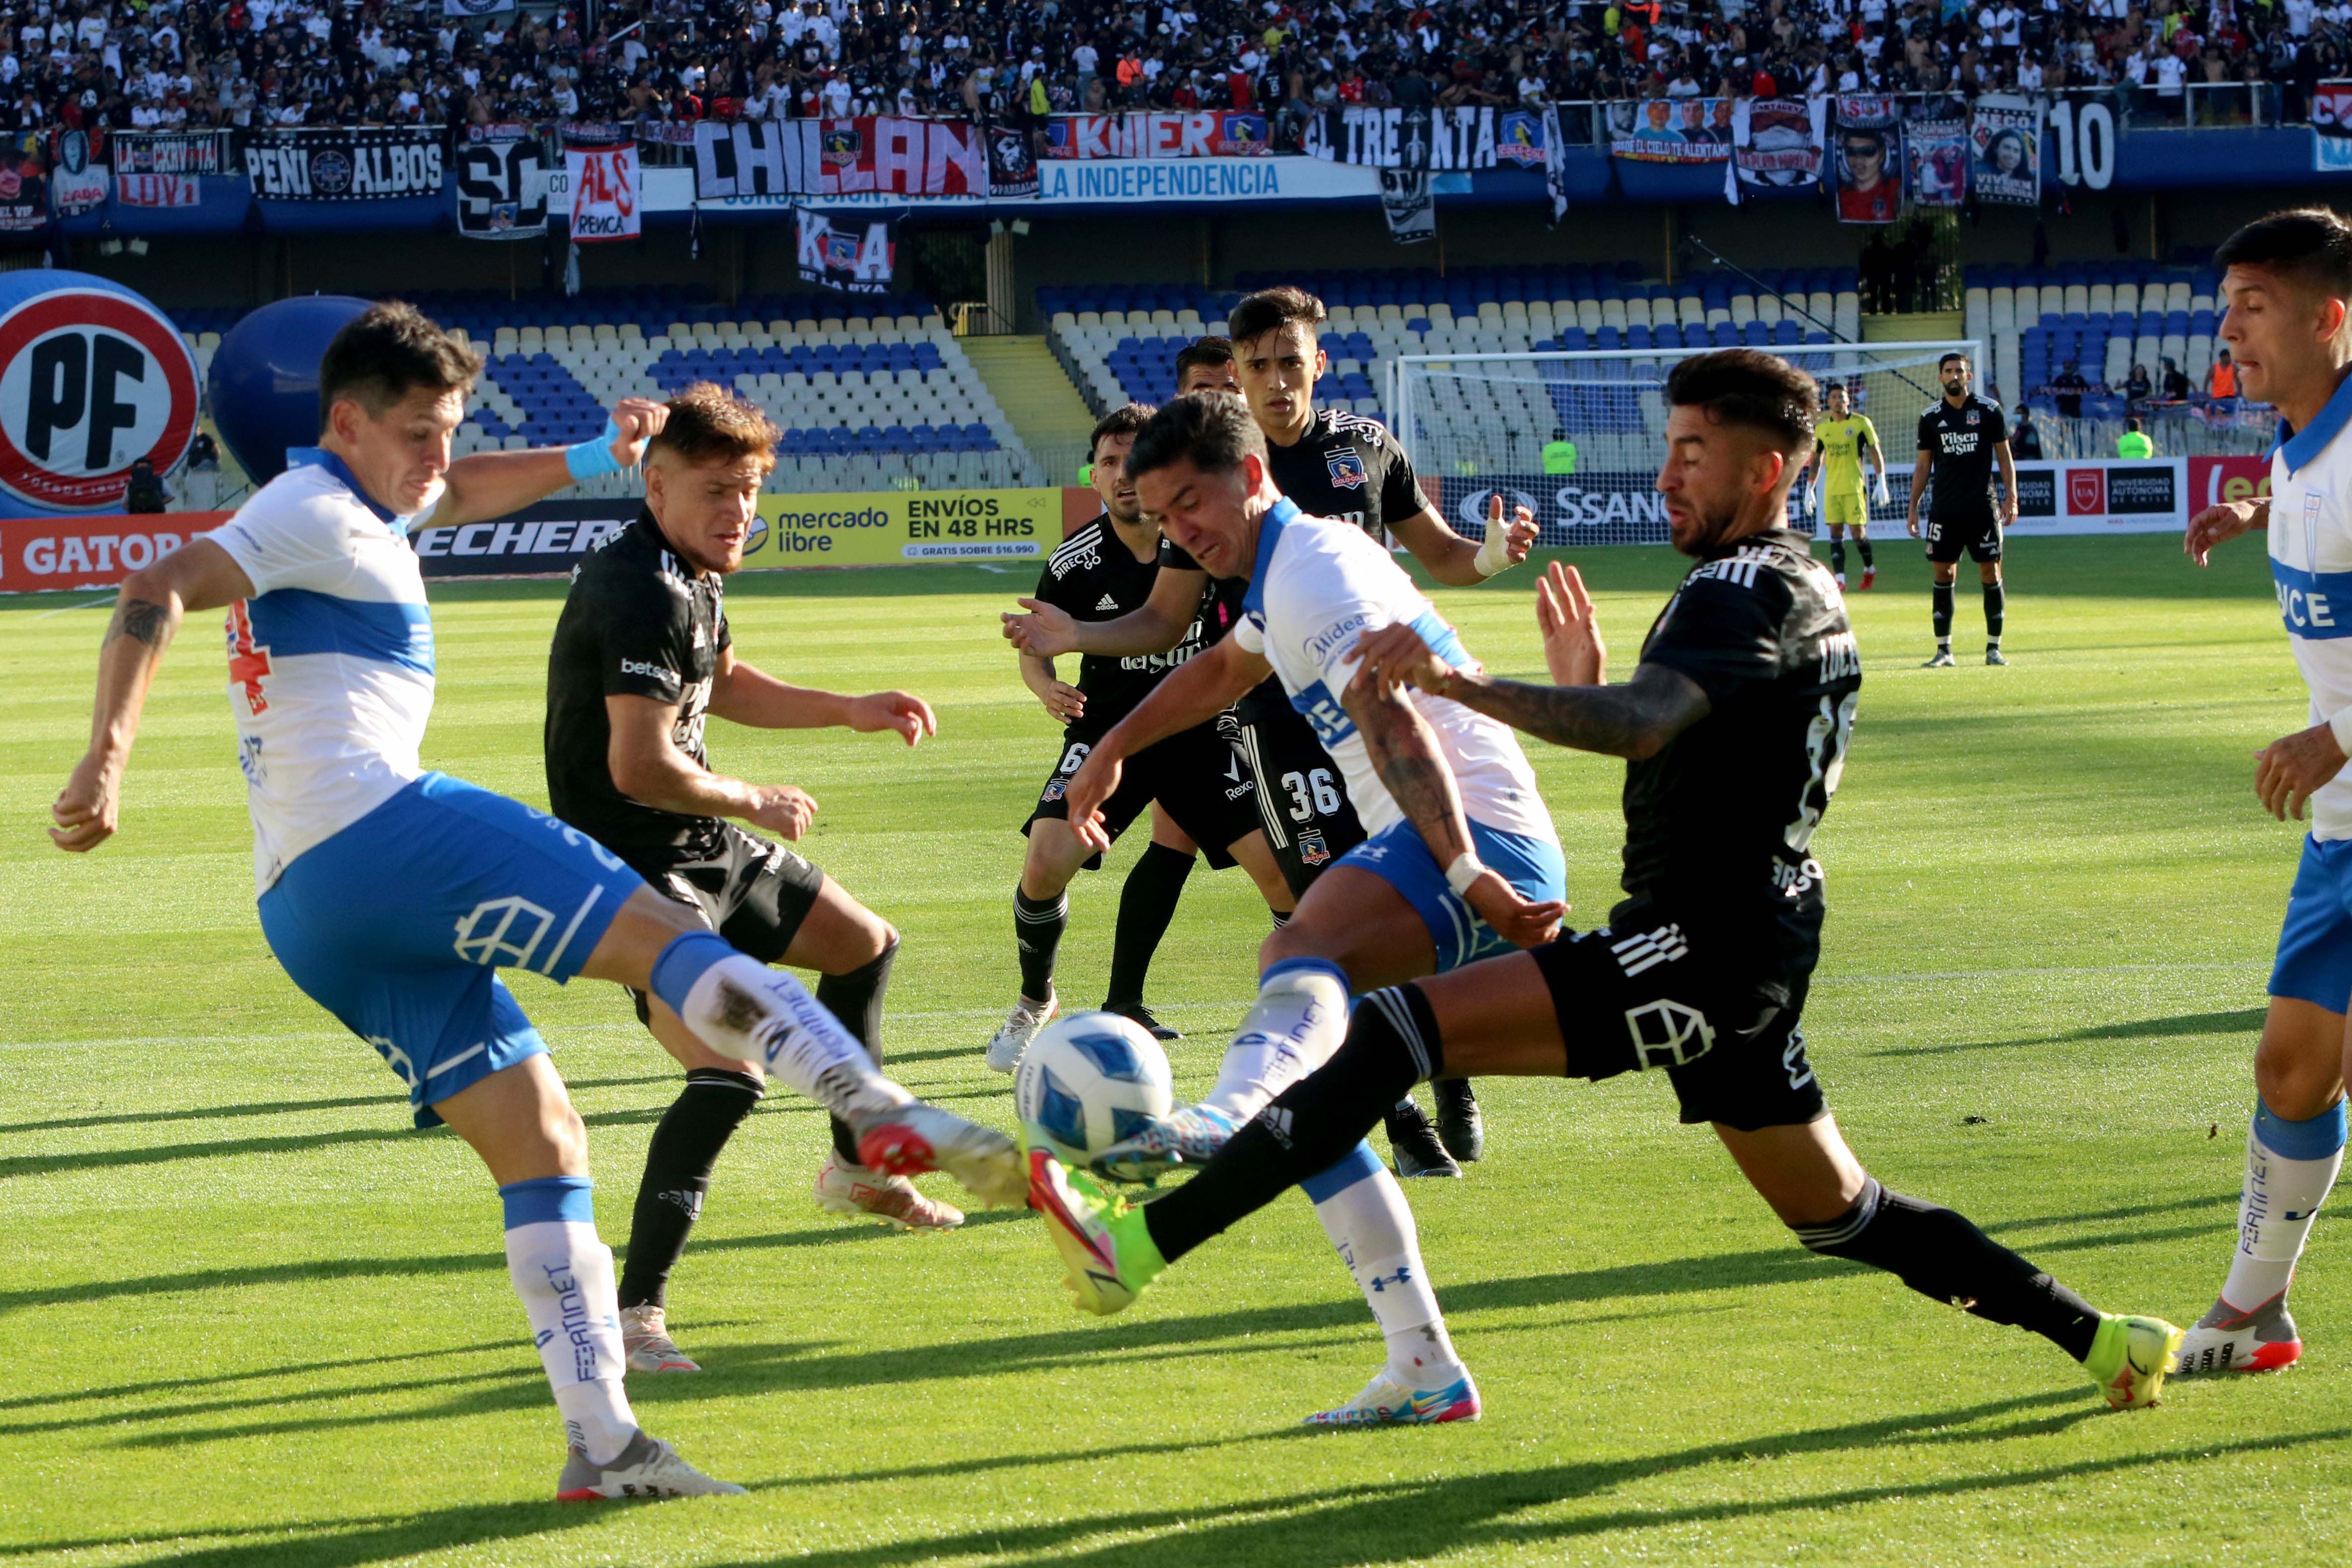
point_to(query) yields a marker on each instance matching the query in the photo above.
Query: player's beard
(1713, 523)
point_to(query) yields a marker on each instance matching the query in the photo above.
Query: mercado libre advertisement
(892, 527)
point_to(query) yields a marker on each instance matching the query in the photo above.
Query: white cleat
(646, 1337)
(845, 1189)
(2226, 1340)
(916, 1137)
(648, 1468)
(1388, 1401)
(1007, 1045)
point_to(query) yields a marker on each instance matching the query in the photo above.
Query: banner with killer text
(2103, 495)
(2005, 150)
(503, 178)
(1670, 130)
(1863, 161)
(600, 171)
(1469, 137)
(1935, 162)
(1205, 134)
(846, 252)
(41, 555)
(343, 162)
(1776, 147)
(883, 154)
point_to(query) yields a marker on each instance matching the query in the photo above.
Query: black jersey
(1095, 577)
(1959, 443)
(639, 621)
(1718, 823)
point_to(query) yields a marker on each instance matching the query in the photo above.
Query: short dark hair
(1127, 420)
(1957, 355)
(2132, 423)
(1751, 389)
(1270, 310)
(1211, 430)
(708, 424)
(387, 352)
(1211, 349)
(2310, 245)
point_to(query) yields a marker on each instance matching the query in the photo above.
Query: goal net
(1478, 423)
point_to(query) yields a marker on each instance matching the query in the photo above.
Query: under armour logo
(1650, 949)
(502, 930)
(1668, 1033)
(1380, 1283)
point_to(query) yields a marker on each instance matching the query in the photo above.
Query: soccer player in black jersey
(1734, 728)
(1961, 436)
(1106, 569)
(642, 655)
(1333, 464)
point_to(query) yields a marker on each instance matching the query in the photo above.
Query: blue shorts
(2314, 947)
(398, 925)
(1400, 857)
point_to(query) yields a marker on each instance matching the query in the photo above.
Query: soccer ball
(1087, 1081)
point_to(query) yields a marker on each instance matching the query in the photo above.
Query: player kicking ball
(2287, 285)
(642, 655)
(1461, 858)
(1735, 728)
(392, 896)
(1845, 444)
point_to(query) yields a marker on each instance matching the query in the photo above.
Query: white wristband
(1465, 869)
(2342, 726)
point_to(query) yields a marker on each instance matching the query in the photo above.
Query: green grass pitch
(249, 1317)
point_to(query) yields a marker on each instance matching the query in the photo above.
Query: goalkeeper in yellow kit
(1842, 442)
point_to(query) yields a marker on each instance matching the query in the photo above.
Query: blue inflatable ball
(264, 384)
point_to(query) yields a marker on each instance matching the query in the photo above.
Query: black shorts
(1979, 535)
(1301, 796)
(752, 893)
(1647, 995)
(1195, 777)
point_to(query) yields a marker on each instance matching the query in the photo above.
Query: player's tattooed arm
(1403, 751)
(142, 620)
(1633, 720)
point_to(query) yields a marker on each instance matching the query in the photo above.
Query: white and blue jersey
(1318, 586)
(2311, 567)
(391, 895)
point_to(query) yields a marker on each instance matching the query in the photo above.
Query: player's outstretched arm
(148, 609)
(492, 484)
(646, 765)
(2219, 523)
(1573, 650)
(1455, 561)
(1155, 626)
(1193, 693)
(1633, 720)
(742, 695)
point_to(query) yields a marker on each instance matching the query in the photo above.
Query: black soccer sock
(685, 1147)
(1281, 918)
(1939, 1254)
(855, 998)
(1310, 1127)
(1037, 927)
(1837, 553)
(1862, 543)
(1146, 905)
(1943, 612)
(1996, 603)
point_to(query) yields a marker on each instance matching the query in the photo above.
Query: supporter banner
(884, 154)
(24, 187)
(1862, 158)
(1776, 147)
(1520, 137)
(1555, 166)
(1410, 205)
(77, 170)
(1204, 134)
(847, 253)
(1461, 137)
(40, 554)
(2083, 139)
(1935, 162)
(2103, 496)
(2005, 150)
(2331, 117)
(600, 171)
(171, 152)
(502, 183)
(159, 190)
(1012, 171)
(898, 526)
(2212, 480)
(477, 8)
(343, 162)
(1670, 130)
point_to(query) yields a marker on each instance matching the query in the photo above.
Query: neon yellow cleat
(1101, 1236)
(2129, 1358)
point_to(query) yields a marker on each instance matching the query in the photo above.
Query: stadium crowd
(166, 63)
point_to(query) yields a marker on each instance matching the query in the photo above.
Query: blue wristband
(590, 458)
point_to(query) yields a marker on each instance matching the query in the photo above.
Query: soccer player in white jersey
(1461, 859)
(392, 895)
(2287, 285)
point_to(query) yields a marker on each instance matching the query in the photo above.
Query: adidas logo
(1647, 950)
(1275, 1119)
(1108, 603)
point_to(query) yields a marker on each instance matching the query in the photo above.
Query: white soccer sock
(744, 1009)
(2290, 1165)
(1370, 1223)
(1300, 1019)
(565, 1275)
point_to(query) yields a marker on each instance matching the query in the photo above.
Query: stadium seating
(2104, 316)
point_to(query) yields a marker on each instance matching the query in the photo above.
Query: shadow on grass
(2224, 1022)
(284, 1108)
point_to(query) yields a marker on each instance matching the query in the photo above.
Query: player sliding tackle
(1734, 728)
(1461, 859)
(392, 895)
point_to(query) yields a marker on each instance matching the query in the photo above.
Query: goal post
(1477, 422)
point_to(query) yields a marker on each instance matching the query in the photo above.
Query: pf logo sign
(92, 378)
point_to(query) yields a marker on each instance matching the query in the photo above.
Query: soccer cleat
(1388, 1402)
(648, 1468)
(2226, 1340)
(916, 1137)
(1869, 577)
(1188, 1135)
(1104, 1243)
(1006, 1045)
(844, 1188)
(646, 1339)
(1943, 661)
(1414, 1144)
(2129, 1356)
(1459, 1126)
(1136, 1013)
(1992, 654)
